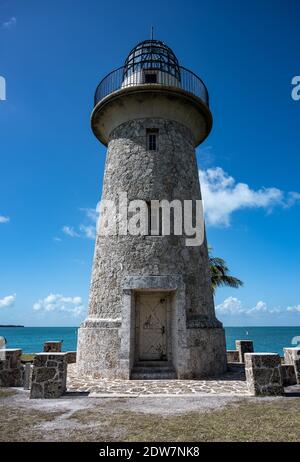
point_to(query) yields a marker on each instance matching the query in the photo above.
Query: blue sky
(52, 56)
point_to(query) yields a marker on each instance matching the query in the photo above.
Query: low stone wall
(264, 374)
(11, 369)
(53, 347)
(49, 375)
(292, 357)
(71, 357)
(244, 346)
(233, 356)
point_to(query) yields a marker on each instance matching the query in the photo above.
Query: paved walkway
(231, 384)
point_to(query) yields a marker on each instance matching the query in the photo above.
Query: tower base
(152, 329)
(99, 354)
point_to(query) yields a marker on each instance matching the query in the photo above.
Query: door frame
(168, 295)
(170, 283)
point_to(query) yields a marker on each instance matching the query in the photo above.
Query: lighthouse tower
(151, 310)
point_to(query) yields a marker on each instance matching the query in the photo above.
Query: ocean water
(267, 339)
(31, 339)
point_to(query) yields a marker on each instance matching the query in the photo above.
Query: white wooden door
(152, 326)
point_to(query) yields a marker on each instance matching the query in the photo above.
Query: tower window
(152, 139)
(150, 77)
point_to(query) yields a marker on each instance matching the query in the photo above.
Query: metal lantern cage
(151, 56)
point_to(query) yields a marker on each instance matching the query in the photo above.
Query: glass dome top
(152, 55)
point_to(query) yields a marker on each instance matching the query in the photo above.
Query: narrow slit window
(152, 136)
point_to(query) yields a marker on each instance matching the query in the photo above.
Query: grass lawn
(27, 357)
(244, 420)
(6, 393)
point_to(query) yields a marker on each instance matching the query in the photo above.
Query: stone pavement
(231, 384)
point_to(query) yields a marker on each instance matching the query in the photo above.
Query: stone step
(150, 375)
(153, 369)
(153, 364)
(236, 367)
(144, 371)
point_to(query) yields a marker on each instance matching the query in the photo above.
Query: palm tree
(219, 274)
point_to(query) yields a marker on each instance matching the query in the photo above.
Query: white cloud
(11, 22)
(92, 214)
(294, 309)
(260, 307)
(87, 230)
(4, 219)
(233, 306)
(70, 231)
(222, 196)
(60, 303)
(230, 305)
(9, 300)
(292, 198)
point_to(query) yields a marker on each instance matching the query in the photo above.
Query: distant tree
(220, 274)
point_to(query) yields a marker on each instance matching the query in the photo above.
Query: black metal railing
(121, 78)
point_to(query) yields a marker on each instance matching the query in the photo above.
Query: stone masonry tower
(151, 311)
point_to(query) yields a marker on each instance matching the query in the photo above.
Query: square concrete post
(263, 374)
(292, 357)
(11, 369)
(244, 346)
(53, 347)
(28, 368)
(49, 375)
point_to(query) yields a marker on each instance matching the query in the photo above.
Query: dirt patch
(17, 424)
